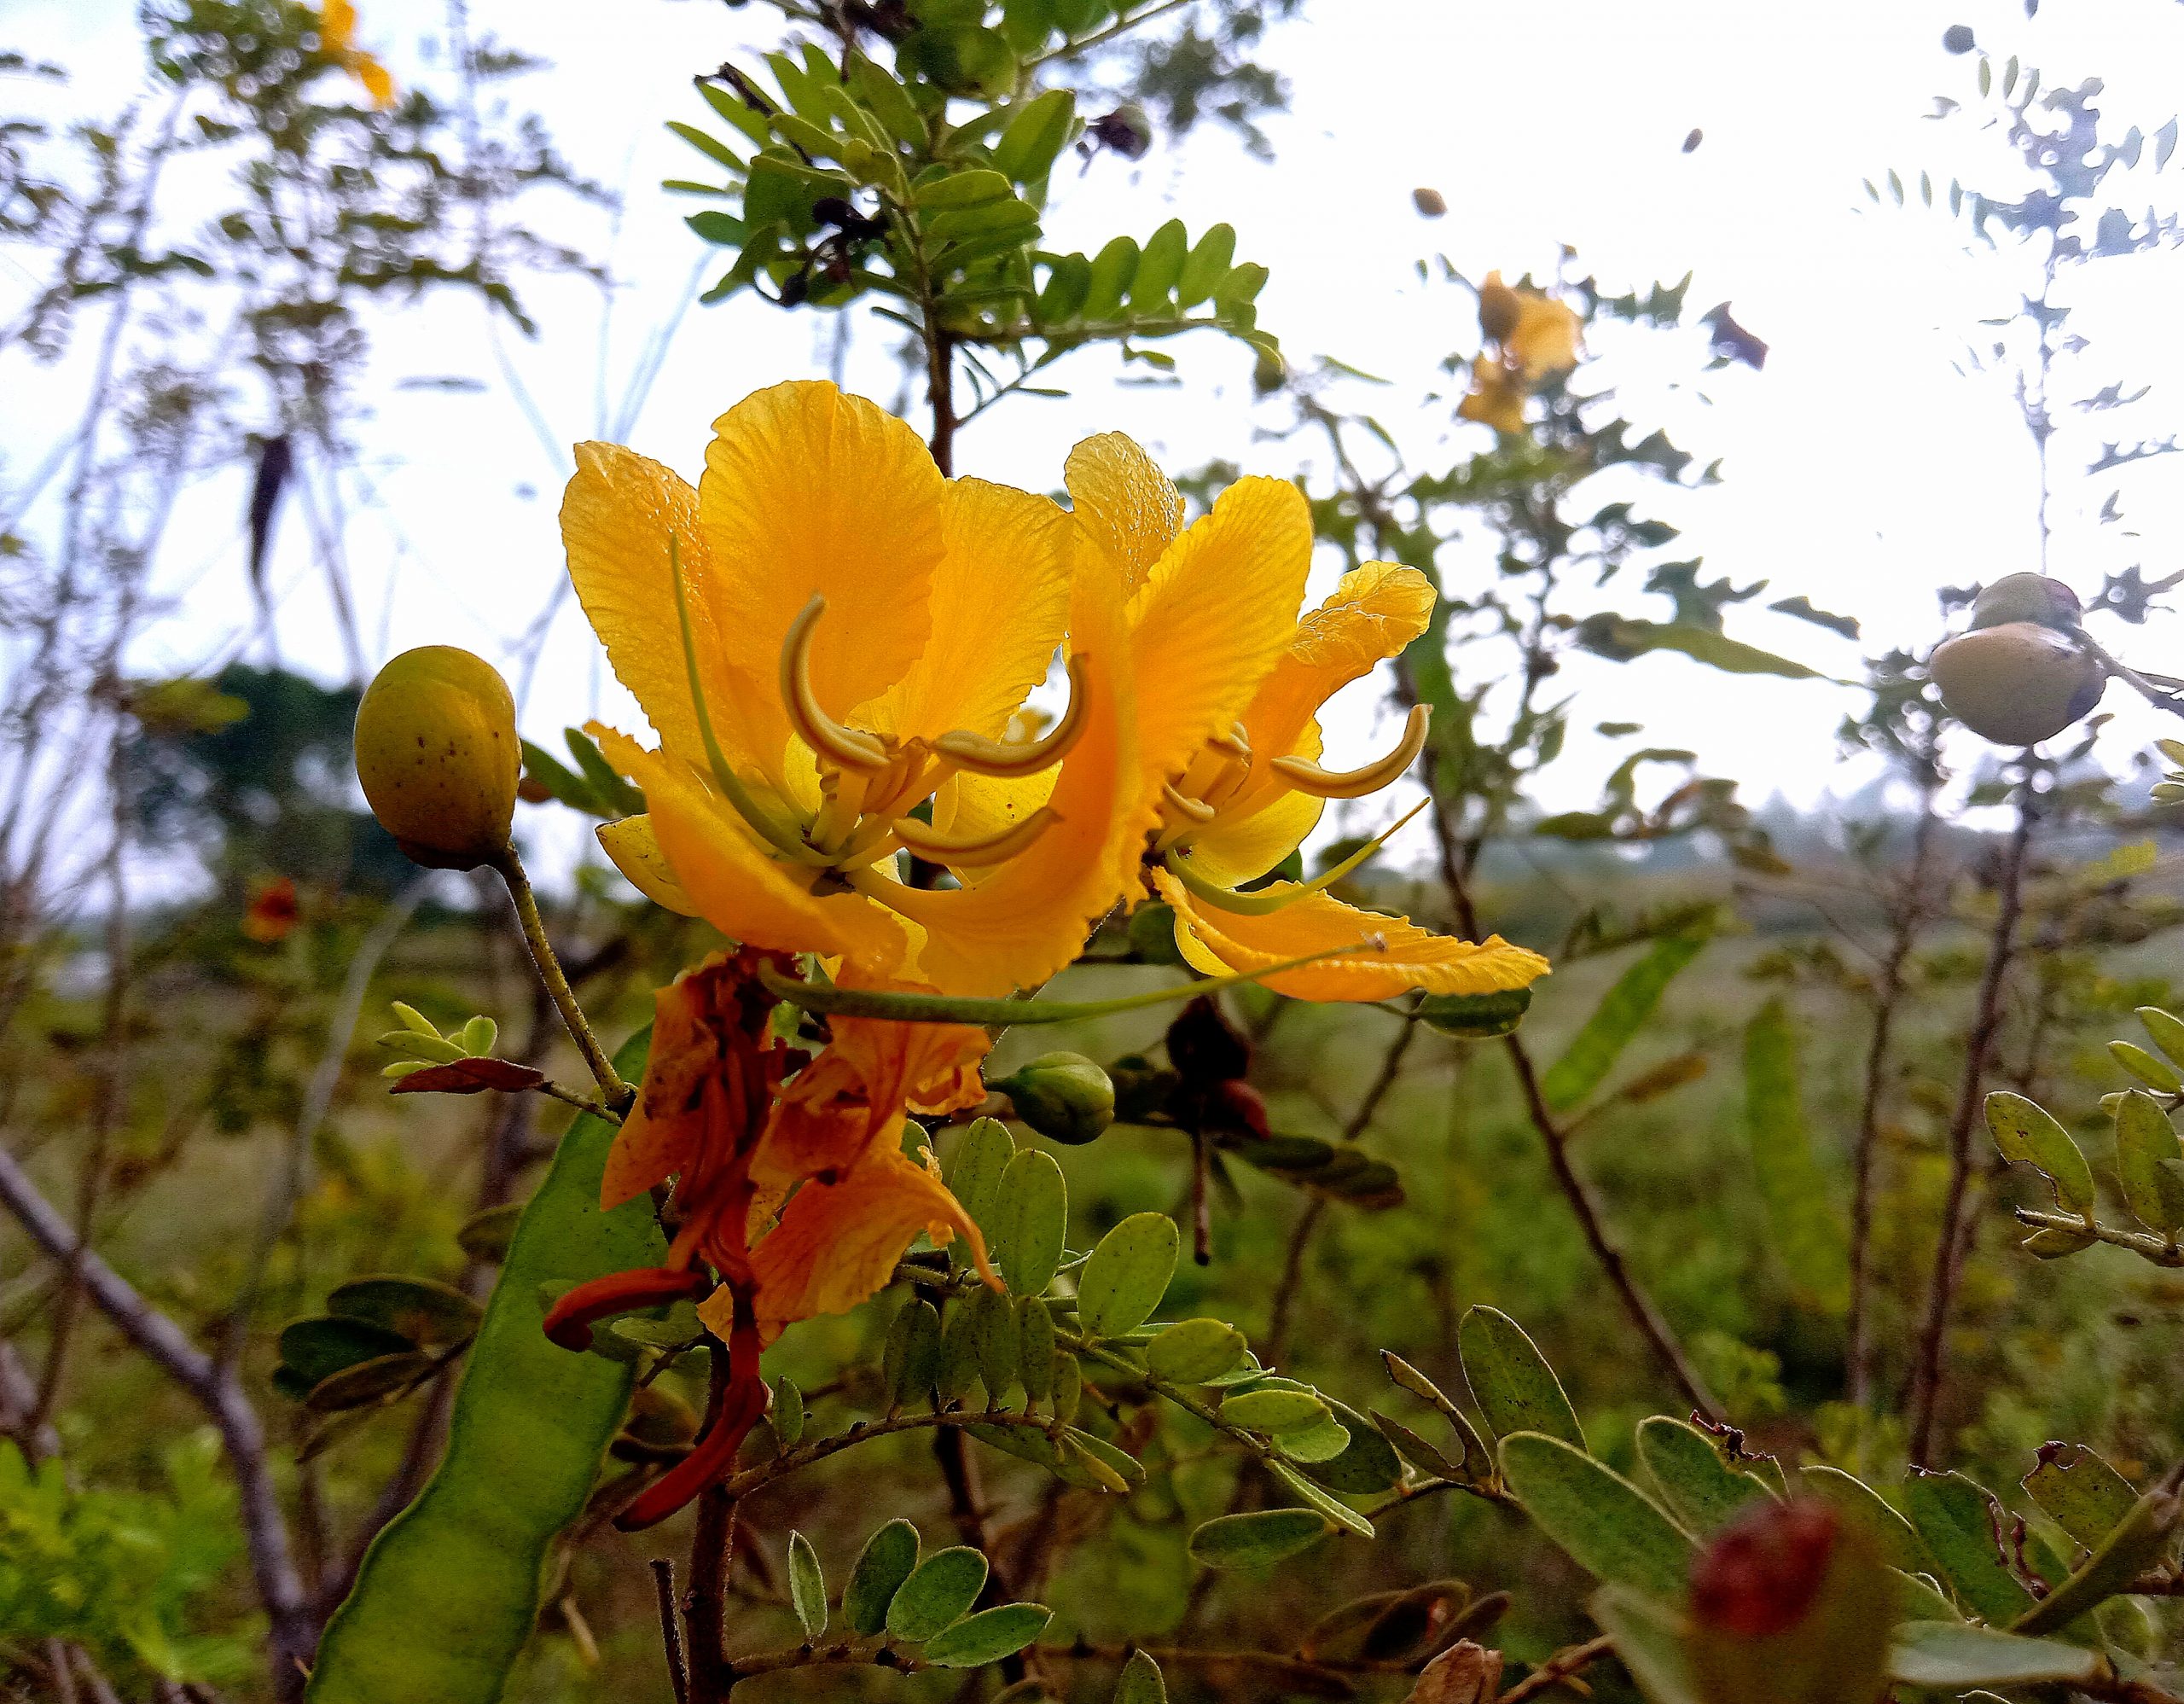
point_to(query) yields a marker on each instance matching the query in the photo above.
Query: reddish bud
(1761, 1575)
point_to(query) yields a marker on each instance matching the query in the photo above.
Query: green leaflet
(1808, 1238)
(449, 1592)
(1621, 1015)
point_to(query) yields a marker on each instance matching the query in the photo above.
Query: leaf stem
(618, 1094)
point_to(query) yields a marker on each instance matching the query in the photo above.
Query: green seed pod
(438, 755)
(2027, 597)
(1064, 1097)
(2018, 683)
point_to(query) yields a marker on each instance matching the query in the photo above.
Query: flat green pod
(449, 1592)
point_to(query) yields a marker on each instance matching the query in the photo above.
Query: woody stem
(551, 977)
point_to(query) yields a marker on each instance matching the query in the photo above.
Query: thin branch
(1557, 1669)
(1986, 1023)
(294, 1635)
(671, 1630)
(1910, 914)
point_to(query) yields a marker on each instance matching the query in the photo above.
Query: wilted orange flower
(337, 35)
(272, 912)
(791, 1181)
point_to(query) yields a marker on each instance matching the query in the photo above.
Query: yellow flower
(1497, 397)
(1228, 685)
(337, 32)
(823, 634)
(1532, 336)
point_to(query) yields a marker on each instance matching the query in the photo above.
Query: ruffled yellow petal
(737, 886)
(634, 849)
(1234, 852)
(1000, 601)
(1029, 918)
(808, 491)
(616, 517)
(1393, 954)
(1126, 506)
(837, 1243)
(1373, 612)
(1214, 617)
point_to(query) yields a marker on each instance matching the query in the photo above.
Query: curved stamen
(1190, 809)
(1263, 902)
(1233, 743)
(1307, 776)
(783, 841)
(825, 735)
(1015, 757)
(935, 847)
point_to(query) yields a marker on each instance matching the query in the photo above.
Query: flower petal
(660, 1135)
(1393, 954)
(838, 1243)
(1372, 614)
(1230, 853)
(806, 490)
(747, 894)
(1000, 601)
(1029, 917)
(634, 849)
(1125, 504)
(1215, 617)
(852, 1098)
(616, 515)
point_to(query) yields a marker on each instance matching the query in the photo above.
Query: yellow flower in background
(823, 634)
(1531, 336)
(337, 35)
(1227, 684)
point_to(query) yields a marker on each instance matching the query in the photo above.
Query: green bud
(437, 753)
(1064, 1097)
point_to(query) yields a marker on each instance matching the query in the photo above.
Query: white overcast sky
(1860, 467)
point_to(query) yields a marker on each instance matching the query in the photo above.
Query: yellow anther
(935, 847)
(1233, 743)
(1016, 758)
(1190, 809)
(1307, 776)
(825, 736)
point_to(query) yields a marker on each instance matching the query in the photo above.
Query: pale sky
(1860, 467)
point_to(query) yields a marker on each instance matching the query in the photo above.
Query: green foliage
(1127, 1274)
(1516, 1389)
(1807, 1236)
(1701, 1490)
(1610, 1527)
(1620, 1015)
(807, 1585)
(888, 1558)
(125, 1574)
(1257, 1539)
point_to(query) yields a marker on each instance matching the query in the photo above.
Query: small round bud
(1761, 1575)
(1431, 204)
(2018, 683)
(1500, 308)
(1064, 1097)
(1152, 933)
(436, 753)
(2027, 597)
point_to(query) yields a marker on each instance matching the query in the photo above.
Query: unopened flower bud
(436, 753)
(1126, 130)
(1064, 1097)
(2017, 684)
(2027, 597)
(1500, 308)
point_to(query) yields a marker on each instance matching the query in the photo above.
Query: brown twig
(1986, 1023)
(713, 1555)
(1909, 915)
(292, 1635)
(671, 1630)
(1557, 1669)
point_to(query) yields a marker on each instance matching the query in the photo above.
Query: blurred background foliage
(1746, 1074)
